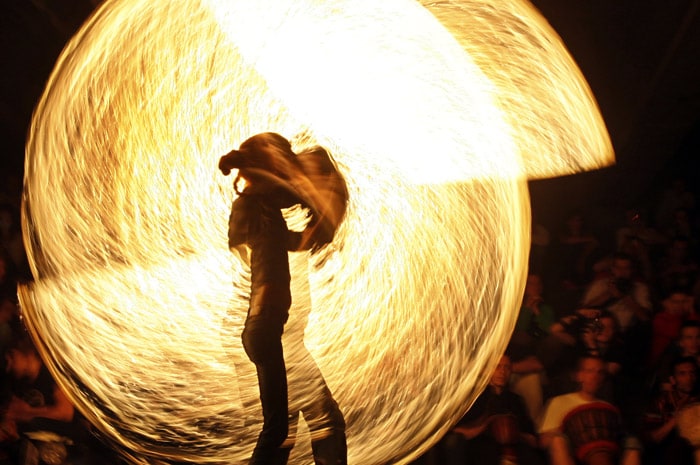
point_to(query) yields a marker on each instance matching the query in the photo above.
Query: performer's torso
(262, 228)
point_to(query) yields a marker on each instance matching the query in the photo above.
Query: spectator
(686, 345)
(578, 427)
(8, 281)
(11, 242)
(678, 268)
(664, 445)
(497, 427)
(638, 240)
(602, 340)
(9, 322)
(689, 340)
(532, 327)
(675, 197)
(681, 225)
(574, 251)
(539, 245)
(676, 307)
(568, 341)
(38, 416)
(625, 296)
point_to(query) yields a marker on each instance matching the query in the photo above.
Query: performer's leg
(262, 340)
(331, 449)
(325, 420)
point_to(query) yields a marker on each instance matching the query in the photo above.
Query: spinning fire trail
(436, 113)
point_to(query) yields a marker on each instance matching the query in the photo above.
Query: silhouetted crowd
(601, 367)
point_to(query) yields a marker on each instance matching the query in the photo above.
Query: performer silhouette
(273, 178)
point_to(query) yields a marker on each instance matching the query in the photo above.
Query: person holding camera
(623, 294)
(618, 291)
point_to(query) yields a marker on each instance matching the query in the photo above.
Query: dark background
(641, 58)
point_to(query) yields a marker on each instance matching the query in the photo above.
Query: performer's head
(266, 153)
(265, 164)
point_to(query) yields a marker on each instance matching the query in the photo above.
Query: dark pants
(262, 341)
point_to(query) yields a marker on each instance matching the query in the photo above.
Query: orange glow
(135, 304)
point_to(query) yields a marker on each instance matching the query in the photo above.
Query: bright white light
(436, 114)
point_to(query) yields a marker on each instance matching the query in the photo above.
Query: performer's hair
(310, 178)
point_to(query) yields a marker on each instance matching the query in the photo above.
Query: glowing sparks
(435, 130)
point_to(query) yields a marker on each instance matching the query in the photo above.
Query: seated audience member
(9, 322)
(675, 197)
(689, 340)
(664, 445)
(618, 291)
(567, 342)
(629, 300)
(37, 416)
(676, 307)
(8, 281)
(532, 327)
(602, 340)
(578, 427)
(11, 243)
(686, 345)
(497, 427)
(575, 247)
(637, 239)
(539, 245)
(681, 225)
(678, 268)
(536, 316)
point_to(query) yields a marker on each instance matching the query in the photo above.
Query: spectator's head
(677, 301)
(681, 216)
(689, 338)
(607, 328)
(21, 359)
(590, 375)
(575, 223)
(679, 249)
(622, 266)
(684, 375)
(8, 310)
(8, 223)
(533, 285)
(501, 375)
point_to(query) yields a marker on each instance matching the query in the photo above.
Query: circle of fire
(436, 115)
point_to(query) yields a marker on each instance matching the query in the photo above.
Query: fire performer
(273, 178)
